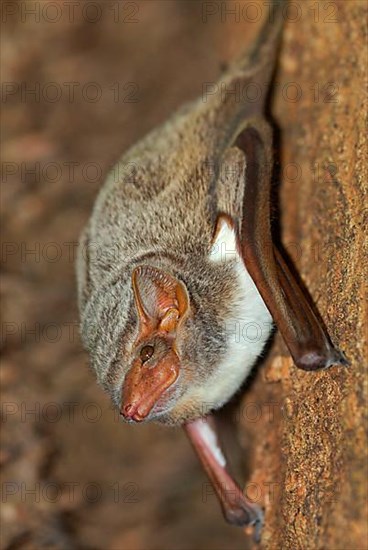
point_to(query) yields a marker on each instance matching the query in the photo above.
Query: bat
(177, 260)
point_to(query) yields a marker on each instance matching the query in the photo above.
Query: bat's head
(172, 361)
(187, 352)
(152, 382)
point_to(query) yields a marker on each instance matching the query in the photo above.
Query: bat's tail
(259, 59)
(242, 90)
(265, 46)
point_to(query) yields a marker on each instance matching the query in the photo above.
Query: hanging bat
(183, 263)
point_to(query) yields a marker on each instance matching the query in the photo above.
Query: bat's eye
(146, 353)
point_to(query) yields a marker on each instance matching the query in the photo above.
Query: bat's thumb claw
(246, 514)
(337, 358)
(258, 525)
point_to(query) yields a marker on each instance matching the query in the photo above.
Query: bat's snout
(145, 387)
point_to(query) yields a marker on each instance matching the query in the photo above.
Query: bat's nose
(130, 412)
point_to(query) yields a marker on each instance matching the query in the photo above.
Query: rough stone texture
(314, 445)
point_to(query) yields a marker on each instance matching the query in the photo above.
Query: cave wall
(310, 453)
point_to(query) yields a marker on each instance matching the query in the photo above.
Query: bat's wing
(294, 315)
(306, 338)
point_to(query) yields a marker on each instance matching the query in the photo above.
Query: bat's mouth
(149, 405)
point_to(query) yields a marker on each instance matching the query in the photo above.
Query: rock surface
(311, 448)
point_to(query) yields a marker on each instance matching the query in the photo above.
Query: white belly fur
(247, 328)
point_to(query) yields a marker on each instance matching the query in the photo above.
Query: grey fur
(159, 207)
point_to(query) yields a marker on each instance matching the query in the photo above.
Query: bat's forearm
(288, 303)
(237, 509)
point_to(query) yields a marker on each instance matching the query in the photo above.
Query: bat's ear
(161, 300)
